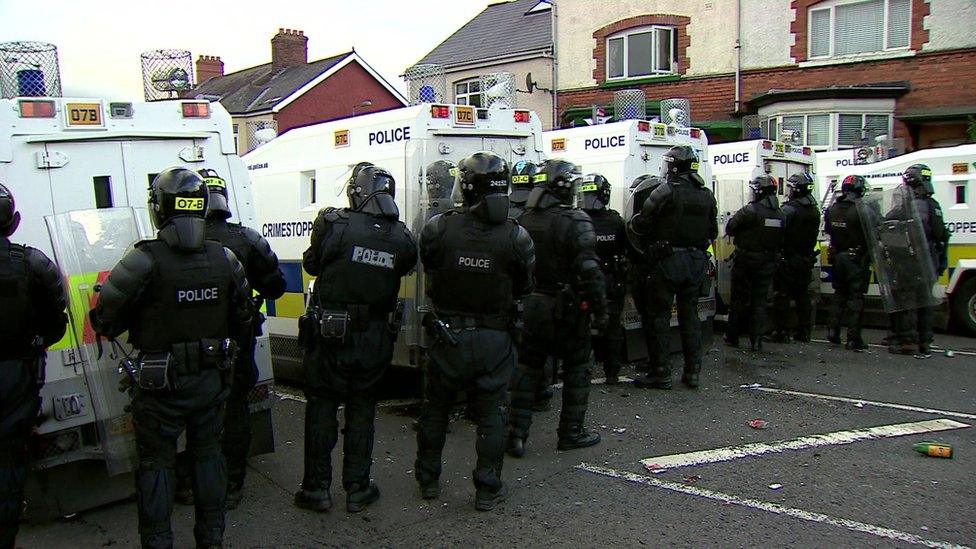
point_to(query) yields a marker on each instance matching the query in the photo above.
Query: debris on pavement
(750, 386)
(654, 468)
(933, 449)
(949, 353)
(691, 479)
(859, 404)
(758, 424)
(775, 486)
(620, 430)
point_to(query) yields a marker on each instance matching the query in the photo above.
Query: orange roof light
(37, 109)
(196, 110)
(440, 111)
(523, 117)
(643, 126)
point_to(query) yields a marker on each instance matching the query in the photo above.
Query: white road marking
(855, 526)
(934, 349)
(801, 443)
(861, 401)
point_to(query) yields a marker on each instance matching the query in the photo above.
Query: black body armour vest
(768, 232)
(608, 226)
(188, 299)
(474, 276)
(231, 235)
(845, 227)
(364, 273)
(684, 222)
(17, 321)
(553, 250)
(802, 230)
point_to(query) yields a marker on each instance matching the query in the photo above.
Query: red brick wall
(679, 22)
(289, 48)
(799, 26)
(335, 98)
(937, 79)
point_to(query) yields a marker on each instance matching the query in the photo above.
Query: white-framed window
(827, 131)
(468, 92)
(851, 27)
(641, 52)
(852, 129)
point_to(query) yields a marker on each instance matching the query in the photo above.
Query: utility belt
(334, 320)
(565, 301)
(757, 252)
(491, 322)
(158, 370)
(855, 252)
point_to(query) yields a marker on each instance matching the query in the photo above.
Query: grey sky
(99, 41)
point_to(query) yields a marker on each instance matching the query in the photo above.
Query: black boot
(485, 499)
(515, 446)
(833, 336)
(313, 500)
(576, 436)
(731, 340)
(690, 375)
(612, 374)
(358, 498)
(430, 490)
(658, 378)
(780, 336)
(756, 343)
(235, 494)
(856, 345)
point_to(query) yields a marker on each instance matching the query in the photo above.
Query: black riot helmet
(594, 192)
(371, 190)
(919, 178)
(482, 182)
(523, 173)
(440, 180)
(559, 178)
(177, 192)
(680, 160)
(762, 186)
(218, 208)
(799, 184)
(854, 186)
(9, 216)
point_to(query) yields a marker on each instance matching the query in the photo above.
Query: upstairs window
(845, 27)
(468, 92)
(646, 51)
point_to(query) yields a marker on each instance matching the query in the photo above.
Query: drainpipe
(738, 54)
(555, 70)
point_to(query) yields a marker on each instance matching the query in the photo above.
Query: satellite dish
(264, 135)
(678, 117)
(530, 85)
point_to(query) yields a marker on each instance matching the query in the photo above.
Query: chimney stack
(209, 66)
(289, 48)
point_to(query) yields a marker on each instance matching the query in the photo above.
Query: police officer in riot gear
(358, 256)
(611, 247)
(265, 277)
(33, 300)
(850, 261)
(758, 233)
(792, 279)
(569, 290)
(184, 300)
(674, 226)
(523, 181)
(522, 177)
(477, 262)
(912, 328)
(440, 185)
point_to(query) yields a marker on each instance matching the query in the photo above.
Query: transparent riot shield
(87, 245)
(731, 195)
(903, 263)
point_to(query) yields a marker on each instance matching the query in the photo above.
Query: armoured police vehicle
(306, 169)
(80, 170)
(622, 152)
(734, 165)
(954, 179)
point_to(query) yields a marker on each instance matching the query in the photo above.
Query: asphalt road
(862, 492)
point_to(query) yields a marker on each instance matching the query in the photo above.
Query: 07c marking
(84, 114)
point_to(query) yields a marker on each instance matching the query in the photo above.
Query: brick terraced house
(830, 70)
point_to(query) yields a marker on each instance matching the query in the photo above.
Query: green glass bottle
(934, 449)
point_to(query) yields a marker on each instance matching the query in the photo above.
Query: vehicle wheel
(964, 306)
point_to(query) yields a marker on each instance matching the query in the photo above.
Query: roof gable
(502, 30)
(257, 89)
